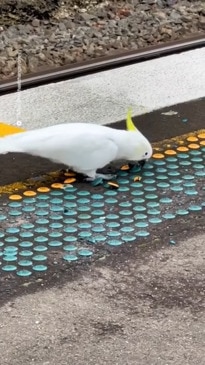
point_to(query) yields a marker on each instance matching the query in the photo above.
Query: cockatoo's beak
(142, 163)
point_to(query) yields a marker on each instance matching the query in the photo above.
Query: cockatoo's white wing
(93, 153)
(83, 147)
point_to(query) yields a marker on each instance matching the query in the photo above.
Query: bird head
(143, 150)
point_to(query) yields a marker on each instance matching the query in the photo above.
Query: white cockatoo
(83, 147)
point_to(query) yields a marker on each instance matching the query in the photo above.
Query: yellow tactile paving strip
(6, 129)
(161, 150)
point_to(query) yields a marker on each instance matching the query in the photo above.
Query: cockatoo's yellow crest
(129, 123)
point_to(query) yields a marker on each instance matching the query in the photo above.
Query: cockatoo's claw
(63, 171)
(105, 176)
(100, 176)
(88, 179)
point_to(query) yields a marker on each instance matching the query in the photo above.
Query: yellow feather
(129, 123)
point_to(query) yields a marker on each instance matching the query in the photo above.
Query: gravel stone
(58, 32)
(35, 23)
(202, 22)
(32, 63)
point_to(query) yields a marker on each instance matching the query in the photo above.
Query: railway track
(102, 64)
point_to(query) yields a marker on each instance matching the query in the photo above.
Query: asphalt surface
(133, 304)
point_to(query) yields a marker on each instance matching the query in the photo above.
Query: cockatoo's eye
(146, 153)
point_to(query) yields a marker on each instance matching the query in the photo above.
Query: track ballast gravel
(52, 33)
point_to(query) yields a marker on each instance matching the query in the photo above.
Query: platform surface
(122, 268)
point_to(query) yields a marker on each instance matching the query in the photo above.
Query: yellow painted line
(177, 139)
(6, 129)
(44, 180)
(52, 178)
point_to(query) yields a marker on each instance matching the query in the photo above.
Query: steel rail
(102, 64)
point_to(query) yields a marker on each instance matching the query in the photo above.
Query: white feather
(84, 147)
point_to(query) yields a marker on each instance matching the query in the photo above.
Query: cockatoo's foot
(105, 176)
(100, 176)
(63, 171)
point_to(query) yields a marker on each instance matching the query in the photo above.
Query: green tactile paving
(74, 222)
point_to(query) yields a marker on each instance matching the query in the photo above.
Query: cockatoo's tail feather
(129, 123)
(6, 146)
